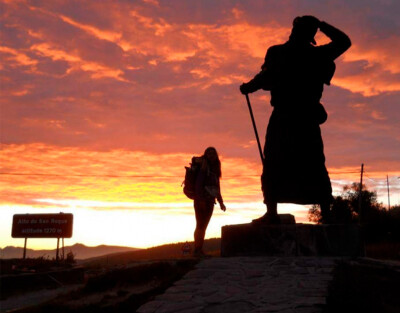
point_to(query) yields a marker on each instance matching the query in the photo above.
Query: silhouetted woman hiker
(295, 73)
(207, 189)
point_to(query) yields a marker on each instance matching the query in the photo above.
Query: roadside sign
(42, 225)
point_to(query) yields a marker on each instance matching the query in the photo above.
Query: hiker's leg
(198, 243)
(198, 239)
(203, 215)
(204, 212)
(209, 208)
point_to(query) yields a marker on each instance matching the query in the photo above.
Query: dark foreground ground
(365, 285)
(118, 282)
(123, 282)
(119, 290)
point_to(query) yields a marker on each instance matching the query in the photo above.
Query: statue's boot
(268, 219)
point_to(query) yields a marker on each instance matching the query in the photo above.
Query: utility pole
(359, 194)
(387, 182)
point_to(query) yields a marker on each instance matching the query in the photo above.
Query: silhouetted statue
(295, 72)
(207, 190)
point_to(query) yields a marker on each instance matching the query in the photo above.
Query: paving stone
(216, 297)
(175, 297)
(231, 307)
(198, 309)
(310, 300)
(308, 310)
(177, 289)
(207, 292)
(185, 282)
(277, 307)
(151, 306)
(174, 307)
(254, 273)
(192, 310)
(200, 273)
(282, 311)
(234, 290)
(249, 284)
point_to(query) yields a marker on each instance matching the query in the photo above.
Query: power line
(134, 176)
(111, 176)
(374, 180)
(382, 180)
(85, 175)
(156, 176)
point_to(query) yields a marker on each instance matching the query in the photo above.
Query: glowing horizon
(125, 197)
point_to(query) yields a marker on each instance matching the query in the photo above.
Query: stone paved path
(249, 284)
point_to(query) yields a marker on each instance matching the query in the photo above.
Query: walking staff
(255, 128)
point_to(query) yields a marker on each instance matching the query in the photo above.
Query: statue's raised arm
(339, 44)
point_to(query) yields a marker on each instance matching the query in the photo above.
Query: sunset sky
(103, 103)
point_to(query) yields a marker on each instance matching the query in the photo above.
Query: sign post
(63, 251)
(42, 226)
(26, 239)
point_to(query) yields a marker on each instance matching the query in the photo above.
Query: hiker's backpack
(190, 177)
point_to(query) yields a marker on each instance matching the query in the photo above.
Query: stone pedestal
(292, 240)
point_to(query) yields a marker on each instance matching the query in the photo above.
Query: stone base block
(292, 240)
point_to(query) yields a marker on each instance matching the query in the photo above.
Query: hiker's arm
(340, 41)
(262, 80)
(219, 198)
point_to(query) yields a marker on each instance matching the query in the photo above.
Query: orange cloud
(114, 37)
(46, 49)
(19, 57)
(379, 70)
(153, 2)
(367, 85)
(101, 34)
(377, 54)
(159, 28)
(20, 92)
(98, 70)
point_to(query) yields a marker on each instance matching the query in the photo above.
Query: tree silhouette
(378, 222)
(345, 207)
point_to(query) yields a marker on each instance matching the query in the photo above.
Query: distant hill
(168, 251)
(79, 250)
